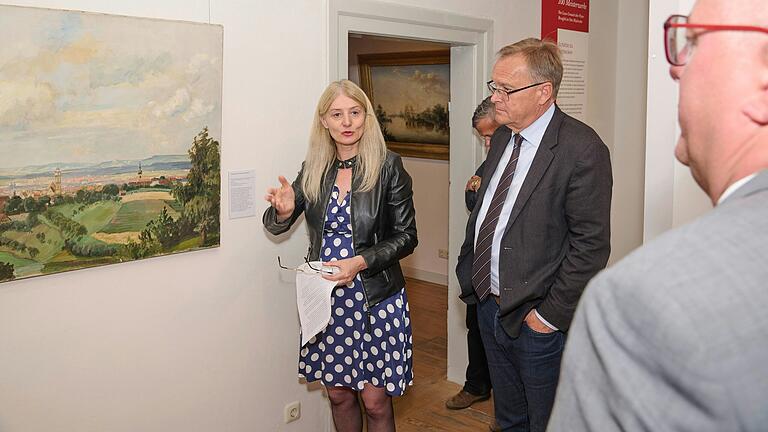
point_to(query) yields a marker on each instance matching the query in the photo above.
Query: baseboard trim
(425, 275)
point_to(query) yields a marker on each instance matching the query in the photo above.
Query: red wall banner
(563, 14)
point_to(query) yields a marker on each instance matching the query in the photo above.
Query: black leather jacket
(383, 225)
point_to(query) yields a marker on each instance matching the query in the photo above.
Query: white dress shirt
(732, 188)
(532, 136)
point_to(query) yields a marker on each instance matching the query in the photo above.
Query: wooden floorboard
(422, 408)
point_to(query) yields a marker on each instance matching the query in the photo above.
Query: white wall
(672, 196)
(617, 95)
(513, 19)
(430, 199)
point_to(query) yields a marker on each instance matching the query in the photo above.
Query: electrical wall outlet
(292, 411)
(442, 253)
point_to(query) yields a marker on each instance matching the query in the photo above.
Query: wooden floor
(422, 408)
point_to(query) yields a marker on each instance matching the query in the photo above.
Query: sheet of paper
(242, 194)
(313, 299)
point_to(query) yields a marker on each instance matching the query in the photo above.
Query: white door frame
(471, 56)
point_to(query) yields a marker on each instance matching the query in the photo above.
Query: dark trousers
(524, 371)
(478, 378)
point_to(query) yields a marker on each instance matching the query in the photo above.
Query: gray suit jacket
(675, 336)
(558, 235)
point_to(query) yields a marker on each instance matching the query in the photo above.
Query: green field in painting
(78, 263)
(64, 260)
(134, 215)
(112, 217)
(93, 216)
(176, 206)
(63, 256)
(27, 238)
(47, 248)
(110, 224)
(88, 240)
(66, 209)
(191, 243)
(21, 267)
(97, 216)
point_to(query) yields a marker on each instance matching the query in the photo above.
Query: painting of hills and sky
(109, 139)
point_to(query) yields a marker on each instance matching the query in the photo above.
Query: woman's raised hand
(282, 199)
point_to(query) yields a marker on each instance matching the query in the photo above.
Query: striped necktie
(481, 266)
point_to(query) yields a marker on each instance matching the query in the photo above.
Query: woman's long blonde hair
(372, 150)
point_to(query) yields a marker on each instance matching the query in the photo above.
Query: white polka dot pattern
(351, 352)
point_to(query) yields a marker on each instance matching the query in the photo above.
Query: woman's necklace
(347, 163)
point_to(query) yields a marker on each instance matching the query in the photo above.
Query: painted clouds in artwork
(78, 87)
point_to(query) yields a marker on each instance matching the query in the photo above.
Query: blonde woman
(357, 200)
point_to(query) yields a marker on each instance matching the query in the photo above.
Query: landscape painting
(410, 92)
(109, 139)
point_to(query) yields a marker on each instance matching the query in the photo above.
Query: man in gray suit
(675, 336)
(539, 231)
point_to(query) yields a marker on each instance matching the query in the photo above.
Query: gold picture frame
(410, 92)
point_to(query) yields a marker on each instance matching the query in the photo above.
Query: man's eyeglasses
(494, 88)
(680, 39)
(298, 269)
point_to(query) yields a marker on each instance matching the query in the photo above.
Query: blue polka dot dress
(351, 352)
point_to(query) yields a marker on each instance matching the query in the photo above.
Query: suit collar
(550, 135)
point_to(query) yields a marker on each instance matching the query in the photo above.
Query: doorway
(429, 171)
(469, 40)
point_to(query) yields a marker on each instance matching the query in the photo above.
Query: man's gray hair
(543, 60)
(484, 110)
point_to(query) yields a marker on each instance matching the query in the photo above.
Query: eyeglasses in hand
(298, 269)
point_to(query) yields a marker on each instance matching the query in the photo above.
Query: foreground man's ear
(756, 108)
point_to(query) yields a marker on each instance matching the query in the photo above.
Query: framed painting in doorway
(410, 93)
